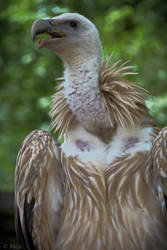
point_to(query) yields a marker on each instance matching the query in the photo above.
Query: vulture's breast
(108, 196)
(87, 147)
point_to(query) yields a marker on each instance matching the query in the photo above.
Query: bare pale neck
(81, 90)
(83, 71)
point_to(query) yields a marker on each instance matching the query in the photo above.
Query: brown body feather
(118, 206)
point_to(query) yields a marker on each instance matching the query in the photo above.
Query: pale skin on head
(75, 43)
(104, 189)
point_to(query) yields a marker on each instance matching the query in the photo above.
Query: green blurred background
(134, 30)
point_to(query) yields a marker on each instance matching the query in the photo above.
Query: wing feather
(159, 152)
(38, 191)
(159, 155)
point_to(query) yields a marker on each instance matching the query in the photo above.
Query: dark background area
(132, 30)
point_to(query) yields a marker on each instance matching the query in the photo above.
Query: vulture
(105, 186)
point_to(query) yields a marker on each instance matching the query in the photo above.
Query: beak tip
(34, 34)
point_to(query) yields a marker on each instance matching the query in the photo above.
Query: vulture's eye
(73, 24)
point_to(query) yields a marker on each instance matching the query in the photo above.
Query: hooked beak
(46, 26)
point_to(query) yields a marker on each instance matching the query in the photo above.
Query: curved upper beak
(40, 26)
(48, 26)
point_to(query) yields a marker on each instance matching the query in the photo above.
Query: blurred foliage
(132, 29)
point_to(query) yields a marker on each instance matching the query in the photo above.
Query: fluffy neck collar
(123, 102)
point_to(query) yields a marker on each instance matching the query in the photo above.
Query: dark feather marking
(24, 234)
(165, 198)
(28, 219)
(19, 232)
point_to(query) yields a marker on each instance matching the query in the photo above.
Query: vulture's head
(70, 35)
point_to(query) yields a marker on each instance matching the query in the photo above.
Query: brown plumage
(37, 178)
(105, 187)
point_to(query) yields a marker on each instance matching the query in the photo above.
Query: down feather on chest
(120, 168)
(109, 189)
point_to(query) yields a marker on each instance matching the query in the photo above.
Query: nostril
(51, 22)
